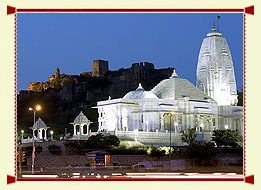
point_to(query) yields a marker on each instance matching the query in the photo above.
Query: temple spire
(57, 73)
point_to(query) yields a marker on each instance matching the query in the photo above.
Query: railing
(30, 140)
(145, 134)
(160, 134)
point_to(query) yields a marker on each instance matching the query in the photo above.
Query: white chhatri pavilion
(38, 130)
(81, 127)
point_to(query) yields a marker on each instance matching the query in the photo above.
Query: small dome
(214, 33)
(81, 118)
(140, 93)
(40, 124)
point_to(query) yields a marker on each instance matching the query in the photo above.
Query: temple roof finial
(214, 32)
(140, 87)
(174, 74)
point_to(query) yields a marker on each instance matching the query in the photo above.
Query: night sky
(72, 41)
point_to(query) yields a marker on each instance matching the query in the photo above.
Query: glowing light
(226, 126)
(172, 113)
(38, 107)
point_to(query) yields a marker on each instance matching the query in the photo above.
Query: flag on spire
(218, 17)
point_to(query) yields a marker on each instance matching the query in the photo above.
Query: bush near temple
(203, 153)
(227, 138)
(95, 142)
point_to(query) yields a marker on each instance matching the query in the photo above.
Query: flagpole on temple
(218, 17)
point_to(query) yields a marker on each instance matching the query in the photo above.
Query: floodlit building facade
(175, 104)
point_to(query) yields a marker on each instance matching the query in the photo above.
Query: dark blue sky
(72, 41)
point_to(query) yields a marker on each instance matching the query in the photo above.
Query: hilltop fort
(99, 84)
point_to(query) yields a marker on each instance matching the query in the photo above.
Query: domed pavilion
(40, 130)
(81, 127)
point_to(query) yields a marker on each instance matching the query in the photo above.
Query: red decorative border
(244, 93)
(247, 179)
(15, 90)
(249, 10)
(246, 10)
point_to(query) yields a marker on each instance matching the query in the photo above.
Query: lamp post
(34, 110)
(51, 135)
(22, 136)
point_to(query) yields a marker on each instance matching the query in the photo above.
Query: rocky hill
(63, 102)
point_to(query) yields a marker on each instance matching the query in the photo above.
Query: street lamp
(34, 110)
(22, 136)
(51, 135)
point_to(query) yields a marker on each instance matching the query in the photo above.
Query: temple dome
(81, 118)
(175, 88)
(140, 93)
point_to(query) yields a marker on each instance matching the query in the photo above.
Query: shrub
(188, 137)
(203, 153)
(227, 138)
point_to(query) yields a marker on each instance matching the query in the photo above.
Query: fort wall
(109, 83)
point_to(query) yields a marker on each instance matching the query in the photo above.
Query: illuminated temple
(155, 116)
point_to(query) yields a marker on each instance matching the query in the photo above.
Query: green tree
(100, 141)
(92, 115)
(155, 152)
(240, 97)
(112, 140)
(227, 137)
(203, 153)
(188, 137)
